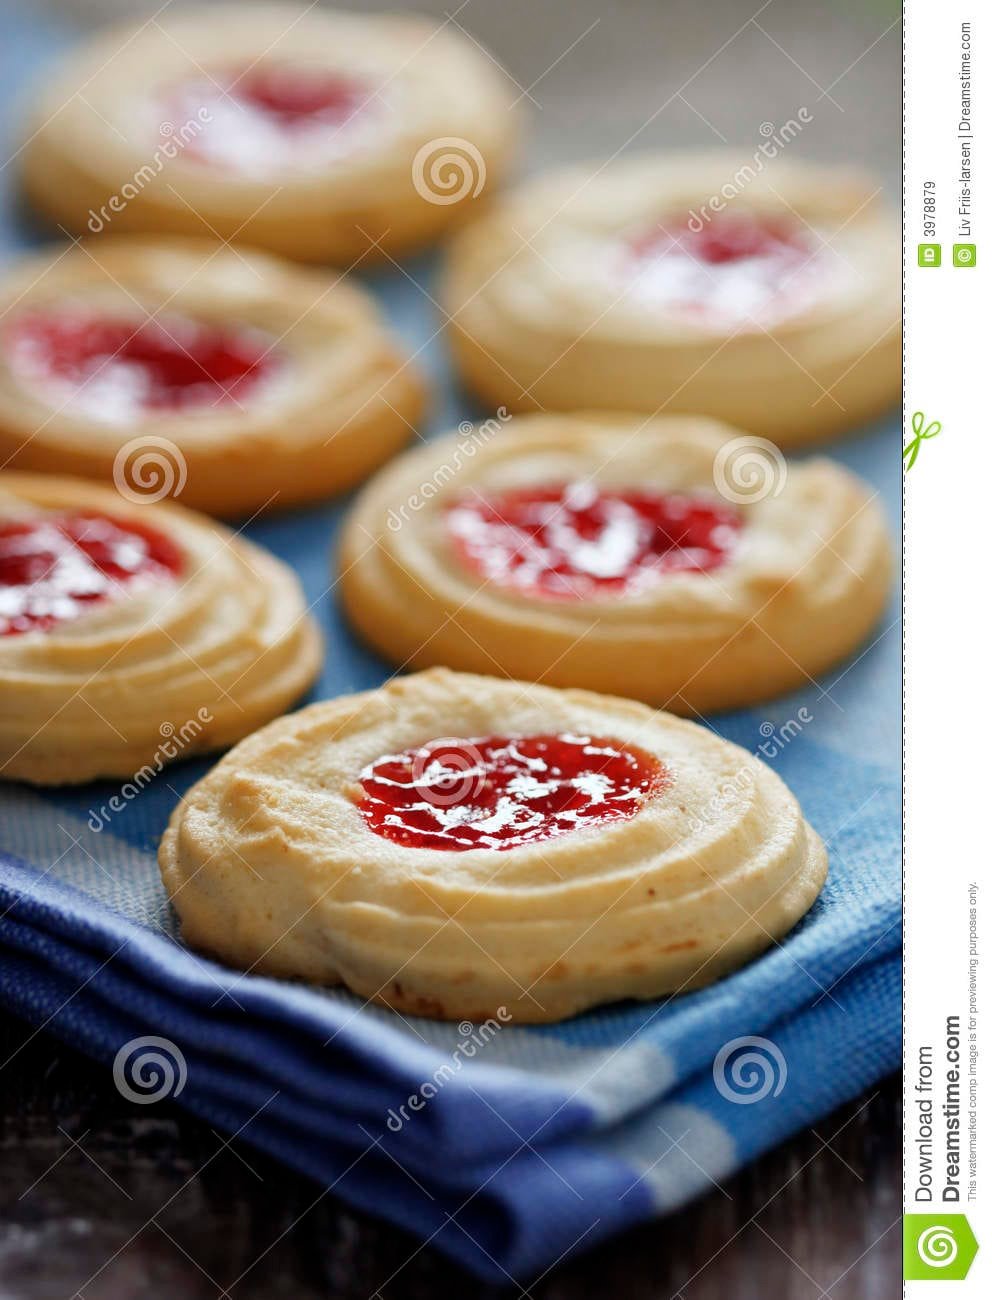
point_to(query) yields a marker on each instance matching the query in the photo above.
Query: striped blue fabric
(527, 1143)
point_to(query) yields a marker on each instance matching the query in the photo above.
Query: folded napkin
(521, 1143)
(504, 1145)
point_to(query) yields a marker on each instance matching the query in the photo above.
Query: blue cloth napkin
(520, 1144)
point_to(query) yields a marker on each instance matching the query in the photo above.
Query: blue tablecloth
(530, 1141)
(537, 1139)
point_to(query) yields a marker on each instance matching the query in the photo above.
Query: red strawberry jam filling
(116, 368)
(579, 540)
(54, 567)
(739, 265)
(265, 117)
(501, 792)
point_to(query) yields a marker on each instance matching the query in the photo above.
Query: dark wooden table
(102, 1199)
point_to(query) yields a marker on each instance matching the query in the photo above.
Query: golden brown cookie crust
(534, 327)
(273, 869)
(184, 668)
(805, 585)
(93, 132)
(344, 400)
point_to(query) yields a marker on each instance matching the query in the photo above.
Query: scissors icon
(912, 448)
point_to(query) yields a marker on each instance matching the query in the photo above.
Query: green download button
(937, 1247)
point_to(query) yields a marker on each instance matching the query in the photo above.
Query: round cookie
(676, 561)
(131, 635)
(460, 847)
(318, 135)
(626, 287)
(227, 377)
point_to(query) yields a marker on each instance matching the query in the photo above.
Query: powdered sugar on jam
(579, 540)
(739, 268)
(502, 792)
(54, 567)
(117, 368)
(272, 117)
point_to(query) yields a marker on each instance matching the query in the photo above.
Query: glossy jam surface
(115, 368)
(269, 117)
(579, 541)
(738, 267)
(501, 792)
(55, 567)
